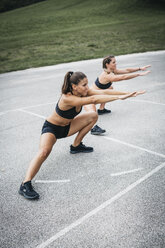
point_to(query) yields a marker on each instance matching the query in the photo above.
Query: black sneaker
(26, 189)
(80, 148)
(96, 130)
(103, 111)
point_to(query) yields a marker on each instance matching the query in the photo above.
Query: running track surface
(113, 197)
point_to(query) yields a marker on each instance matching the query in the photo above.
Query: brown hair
(72, 78)
(107, 60)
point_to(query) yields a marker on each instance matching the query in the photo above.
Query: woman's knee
(44, 152)
(93, 116)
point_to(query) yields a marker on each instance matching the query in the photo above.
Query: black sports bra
(68, 114)
(102, 86)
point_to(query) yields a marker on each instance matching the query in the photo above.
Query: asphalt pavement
(111, 198)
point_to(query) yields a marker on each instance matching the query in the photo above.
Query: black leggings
(58, 131)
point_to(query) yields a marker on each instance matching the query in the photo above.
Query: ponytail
(107, 60)
(67, 84)
(71, 78)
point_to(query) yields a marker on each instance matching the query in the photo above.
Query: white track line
(125, 172)
(99, 208)
(44, 104)
(38, 105)
(134, 146)
(8, 111)
(31, 113)
(32, 106)
(105, 137)
(52, 181)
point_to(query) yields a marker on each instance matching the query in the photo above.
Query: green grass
(54, 31)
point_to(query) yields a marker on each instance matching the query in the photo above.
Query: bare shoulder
(69, 100)
(104, 77)
(109, 76)
(66, 98)
(117, 71)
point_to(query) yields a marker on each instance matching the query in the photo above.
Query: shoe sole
(103, 113)
(28, 197)
(74, 152)
(95, 133)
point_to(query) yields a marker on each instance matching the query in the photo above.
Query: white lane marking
(99, 208)
(53, 181)
(31, 113)
(38, 105)
(32, 106)
(146, 101)
(8, 111)
(125, 172)
(134, 146)
(49, 103)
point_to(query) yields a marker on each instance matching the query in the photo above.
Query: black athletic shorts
(58, 131)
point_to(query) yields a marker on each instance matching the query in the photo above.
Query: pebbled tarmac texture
(111, 198)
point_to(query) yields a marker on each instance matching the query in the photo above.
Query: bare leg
(47, 141)
(96, 130)
(102, 105)
(82, 124)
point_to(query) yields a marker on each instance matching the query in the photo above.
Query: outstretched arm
(115, 78)
(107, 98)
(111, 92)
(92, 92)
(95, 99)
(122, 97)
(130, 70)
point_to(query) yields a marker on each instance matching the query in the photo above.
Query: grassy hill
(54, 31)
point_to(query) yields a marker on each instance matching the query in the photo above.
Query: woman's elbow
(93, 100)
(117, 79)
